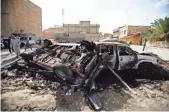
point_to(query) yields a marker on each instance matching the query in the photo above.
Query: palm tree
(161, 28)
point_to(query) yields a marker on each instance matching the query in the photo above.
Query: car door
(127, 57)
(109, 55)
(112, 56)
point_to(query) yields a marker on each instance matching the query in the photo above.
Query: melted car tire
(63, 72)
(146, 69)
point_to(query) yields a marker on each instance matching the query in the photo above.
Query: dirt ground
(20, 93)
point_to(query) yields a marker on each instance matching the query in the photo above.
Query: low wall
(158, 44)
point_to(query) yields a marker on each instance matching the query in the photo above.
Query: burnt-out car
(80, 64)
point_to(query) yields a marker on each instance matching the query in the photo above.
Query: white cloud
(161, 3)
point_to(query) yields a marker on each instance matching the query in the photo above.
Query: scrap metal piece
(123, 82)
(94, 100)
(4, 66)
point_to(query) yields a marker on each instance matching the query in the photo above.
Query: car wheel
(63, 72)
(146, 69)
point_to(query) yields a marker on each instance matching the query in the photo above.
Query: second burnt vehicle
(80, 64)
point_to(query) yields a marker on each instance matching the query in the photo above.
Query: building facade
(52, 32)
(130, 33)
(91, 31)
(83, 26)
(126, 30)
(20, 16)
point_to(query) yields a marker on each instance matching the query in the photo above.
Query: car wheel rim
(61, 74)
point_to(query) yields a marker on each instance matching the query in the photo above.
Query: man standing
(26, 44)
(16, 44)
(10, 46)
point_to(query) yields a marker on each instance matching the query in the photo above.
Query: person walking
(10, 46)
(144, 44)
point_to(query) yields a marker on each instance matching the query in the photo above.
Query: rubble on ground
(44, 94)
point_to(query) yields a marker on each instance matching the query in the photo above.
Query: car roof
(68, 44)
(109, 43)
(97, 43)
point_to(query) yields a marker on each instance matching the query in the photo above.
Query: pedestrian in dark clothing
(144, 44)
(10, 47)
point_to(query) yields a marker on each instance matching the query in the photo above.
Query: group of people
(14, 44)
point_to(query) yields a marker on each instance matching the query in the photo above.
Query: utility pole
(127, 21)
(127, 30)
(145, 41)
(63, 17)
(63, 23)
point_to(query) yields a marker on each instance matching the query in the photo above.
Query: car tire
(146, 69)
(63, 72)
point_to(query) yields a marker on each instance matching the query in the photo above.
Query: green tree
(160, 29)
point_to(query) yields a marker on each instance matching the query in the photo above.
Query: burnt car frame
(80, 64)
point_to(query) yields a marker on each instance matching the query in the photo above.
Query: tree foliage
(159, 30)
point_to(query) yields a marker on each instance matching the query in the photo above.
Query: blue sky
(108, 13)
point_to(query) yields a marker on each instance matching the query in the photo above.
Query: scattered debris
(69, 74)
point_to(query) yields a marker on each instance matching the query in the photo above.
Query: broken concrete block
(31, 84)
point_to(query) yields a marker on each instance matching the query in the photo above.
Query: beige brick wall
(158, 44)
(130, 29)
(25, 15)
(50, 32)
(93, 30)
(84, 23)
(134, 29)
(92, 37)
(83, 26)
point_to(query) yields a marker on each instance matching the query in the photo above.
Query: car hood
(147, 58)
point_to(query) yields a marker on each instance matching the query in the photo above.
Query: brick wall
(25, 15)
(51, 32)
(91, 37)
(135, 29)
(158, 44)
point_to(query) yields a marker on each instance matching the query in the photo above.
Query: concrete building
(91, 31)
(126, 30)
(91, 37)
(20, 16)
(51, 32)
(83, 26)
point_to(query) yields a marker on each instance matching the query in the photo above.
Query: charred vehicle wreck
(79, 64)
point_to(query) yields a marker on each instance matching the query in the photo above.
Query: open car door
(127, 57)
